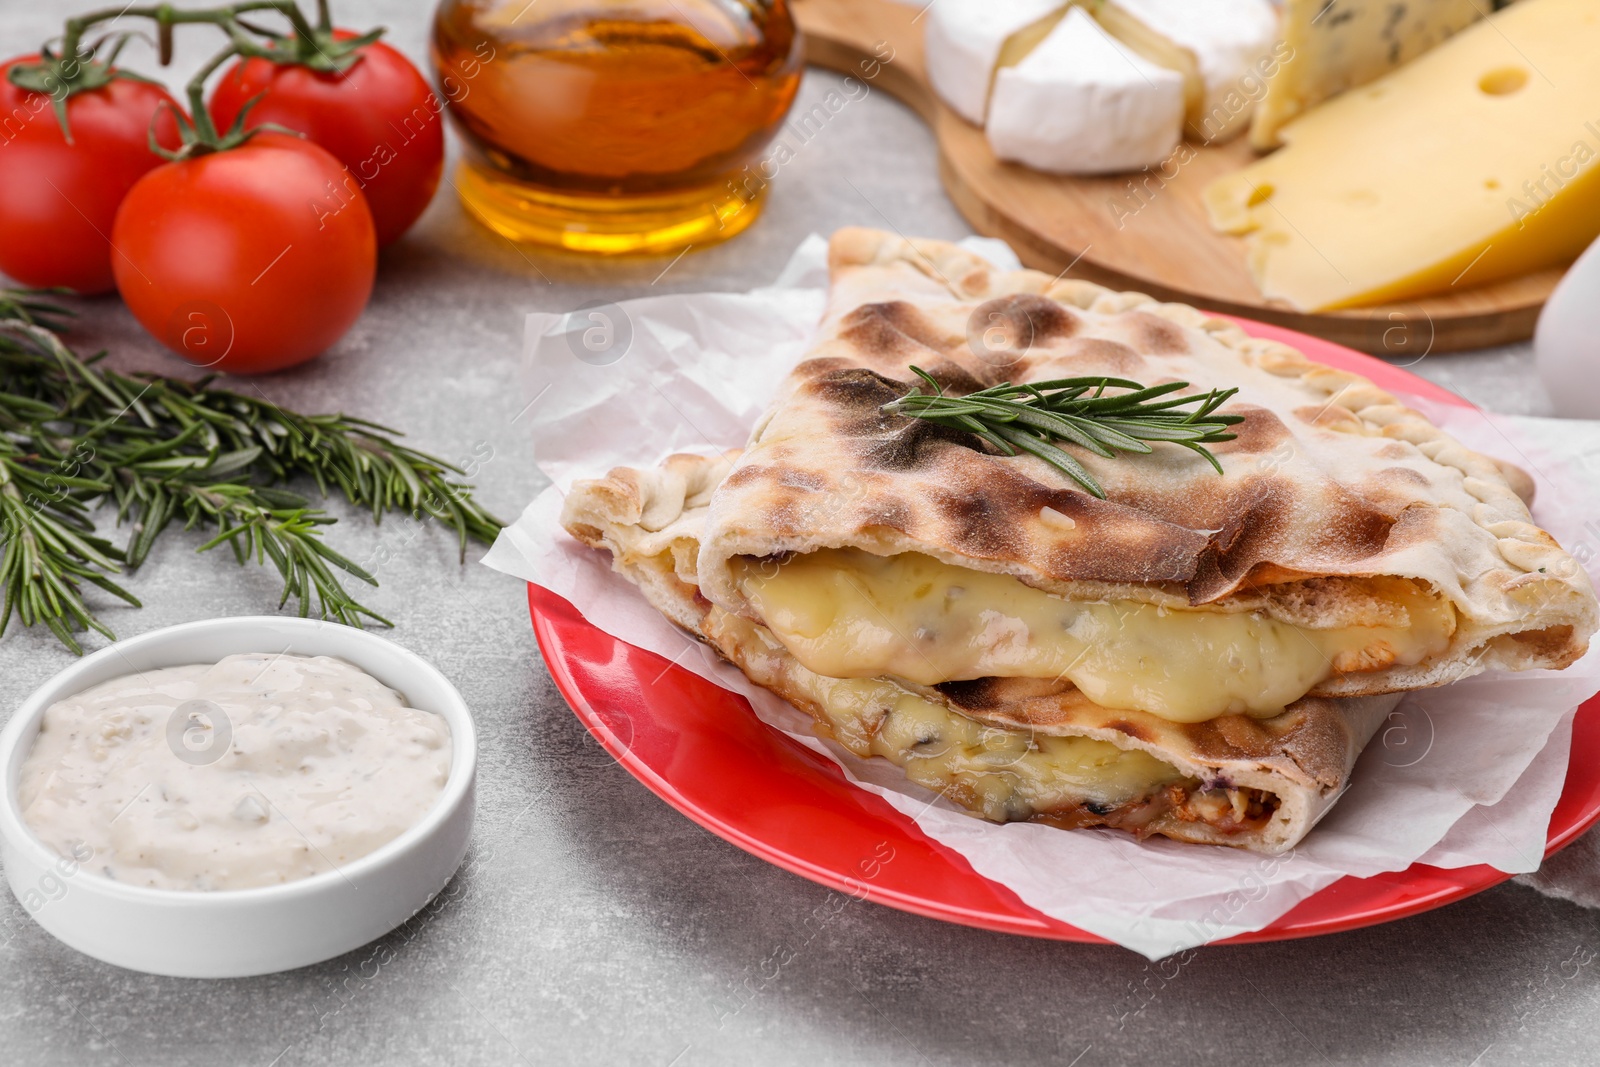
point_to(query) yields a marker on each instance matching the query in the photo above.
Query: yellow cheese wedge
(1474, 163)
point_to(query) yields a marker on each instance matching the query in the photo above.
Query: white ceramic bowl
(238, 932)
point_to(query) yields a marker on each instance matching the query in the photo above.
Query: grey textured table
(592, 924)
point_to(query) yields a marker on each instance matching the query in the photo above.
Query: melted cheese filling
(1004, 774)
(846, 613)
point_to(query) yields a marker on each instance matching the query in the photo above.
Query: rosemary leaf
(1053, 455)
(1078, 411)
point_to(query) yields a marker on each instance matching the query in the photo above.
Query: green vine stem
(77, 68)
(166, 16)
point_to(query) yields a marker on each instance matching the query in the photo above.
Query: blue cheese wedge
(967, 41)
(1084, 103)
(1334, 45)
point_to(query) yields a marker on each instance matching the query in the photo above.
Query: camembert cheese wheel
(967, 41)
(1223, 49)
(1084, 103)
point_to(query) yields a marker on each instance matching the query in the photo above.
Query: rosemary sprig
(1033, 416)
(75, 435)
(50, 548)
(363, 459)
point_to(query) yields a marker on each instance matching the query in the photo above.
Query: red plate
(702, 750)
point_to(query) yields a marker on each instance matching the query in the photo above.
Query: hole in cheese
(846, 613)
(1503, 81)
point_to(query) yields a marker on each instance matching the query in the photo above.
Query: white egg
(1566, 343)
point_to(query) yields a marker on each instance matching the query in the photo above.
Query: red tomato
(57, 200)
(379, 117)
(248, 260)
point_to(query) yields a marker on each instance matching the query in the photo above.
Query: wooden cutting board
(1146, 231)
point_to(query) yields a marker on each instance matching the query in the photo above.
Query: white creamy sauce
(261, 769)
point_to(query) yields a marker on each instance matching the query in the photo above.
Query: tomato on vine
(76, 135)
(358, 98)
(225, 262)
(252, 248)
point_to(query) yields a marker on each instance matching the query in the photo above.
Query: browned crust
(1332, 490)
(1331, 485)
(1302, 757)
